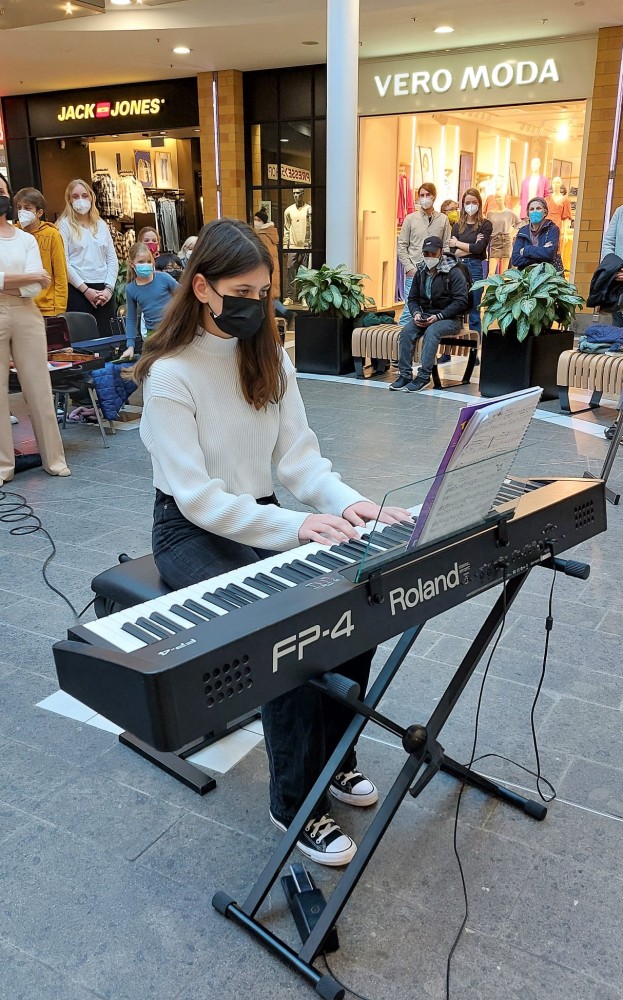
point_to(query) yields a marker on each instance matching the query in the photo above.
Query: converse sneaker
(353, 788)
(418, 383)
(322, 841)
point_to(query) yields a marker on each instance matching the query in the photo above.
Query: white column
(342, 93)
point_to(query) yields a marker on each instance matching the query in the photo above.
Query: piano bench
(131, 582)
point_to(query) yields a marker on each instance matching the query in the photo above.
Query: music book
(476, 462)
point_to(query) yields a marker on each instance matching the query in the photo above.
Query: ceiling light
(284, 140)
(69, 8)
(310, 43)
(181, 50)
(121, 3)
(562, 132)
(444, 29)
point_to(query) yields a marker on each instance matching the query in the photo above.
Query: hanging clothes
(106, 191)
(167, 220)
(406, 203)
(132, 195)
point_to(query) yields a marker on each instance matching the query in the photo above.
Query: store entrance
(493, 149)
(140, 179)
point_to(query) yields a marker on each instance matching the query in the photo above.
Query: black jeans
(301, 728)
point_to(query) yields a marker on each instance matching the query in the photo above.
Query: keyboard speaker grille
(227, 681)
(584, 513)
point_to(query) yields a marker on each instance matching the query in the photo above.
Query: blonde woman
(92, 264)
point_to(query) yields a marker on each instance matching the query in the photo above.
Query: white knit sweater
(212, 451)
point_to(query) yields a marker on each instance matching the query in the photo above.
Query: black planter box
(323, 345)
(507, 365)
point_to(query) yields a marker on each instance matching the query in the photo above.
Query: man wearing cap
(537, 242)
(438, 300)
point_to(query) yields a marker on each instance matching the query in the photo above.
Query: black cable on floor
(19, 510)
(348, 989)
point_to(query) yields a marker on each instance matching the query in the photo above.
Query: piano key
(200, 609)
(399, 535)
(267, 588)
(303, 564)
(271, 581)
(139, 633)
(230, 598)
(345, 552)
(287, 573)
(309, 572)
(251, 596)
(327, 560)
(150, 626)
(379, 541)
(218, 602)
(188, 615)
(169, 623)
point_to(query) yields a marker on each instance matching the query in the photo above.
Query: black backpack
(469, 281)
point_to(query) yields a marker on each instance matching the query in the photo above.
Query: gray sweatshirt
(613, 240)
(416, 227)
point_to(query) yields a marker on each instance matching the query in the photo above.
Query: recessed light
(163, 133)
(115, 136)
(196, 130)
(284, 140)
(69, 8)
(444, 29)
(181, 50)
(310, 43)
(121, 3)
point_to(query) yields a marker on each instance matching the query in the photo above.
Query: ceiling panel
(26, 13)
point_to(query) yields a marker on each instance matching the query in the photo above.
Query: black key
(265, 588)
(397, 534)
(343, 550)
(355, 545)
(220, 602)
(329, 561)
(200, 609)
(139, 633)
(189, 616)
(238, 602)
(160, 619)
(382, 543)
(408, 524)
(304, 567)
(287, 573)
(150, 626)
(249, 597)
(271, 582)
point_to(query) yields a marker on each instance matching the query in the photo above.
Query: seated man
(438, 300)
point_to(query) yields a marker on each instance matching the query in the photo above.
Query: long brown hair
(225, 248)
(470, 220)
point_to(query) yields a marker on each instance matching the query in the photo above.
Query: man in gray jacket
(419, 225)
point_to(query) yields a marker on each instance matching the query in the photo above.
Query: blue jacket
(524, 253)
(112, 390)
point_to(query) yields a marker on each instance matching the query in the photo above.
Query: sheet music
(475, 464)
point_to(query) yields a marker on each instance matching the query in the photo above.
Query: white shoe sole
(335, 861)
(354, 800)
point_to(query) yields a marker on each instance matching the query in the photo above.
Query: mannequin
(503, 219)
(559, 206)
(536, 185)
(499, 192)
(297, 236)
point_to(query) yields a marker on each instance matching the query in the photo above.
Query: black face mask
(6, 206)
(240, 317)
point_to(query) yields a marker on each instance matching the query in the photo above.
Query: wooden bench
(597, 373)
(380, 345)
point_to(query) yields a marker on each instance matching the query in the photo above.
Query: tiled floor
(108, 866)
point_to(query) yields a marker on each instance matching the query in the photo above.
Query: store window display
(469, 242)
(499, 192)
(503, 221)
(536, 185)
(537, 242)
(297, 237)
(417, 226)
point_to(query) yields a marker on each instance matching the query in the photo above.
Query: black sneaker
(322, 841)
(610, 431)
(418, 383)
(444, 359)
(354, 788)
(400, 383)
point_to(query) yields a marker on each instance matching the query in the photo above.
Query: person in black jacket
(438, 300)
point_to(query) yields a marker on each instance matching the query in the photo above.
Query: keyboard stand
(425, 758)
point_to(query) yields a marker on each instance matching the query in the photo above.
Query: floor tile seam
(61, 972)
(178, 819)
(559, 695)
(531, 955)
(22, 628)
(566, 802)
(234, 829)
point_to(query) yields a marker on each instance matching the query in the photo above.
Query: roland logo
(401, 599)
(109, 109)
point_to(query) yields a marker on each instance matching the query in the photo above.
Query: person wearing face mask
(150, 238)
(450, 208)
(186, 249)
(470, 241)
(537, 242)
(30, 211)
(22, 341)
(438, 300)
(148, 292)
(92, 265)
(417, 227)
(222, 408)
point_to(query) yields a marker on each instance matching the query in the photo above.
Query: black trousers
(76, 302)
(301, 728)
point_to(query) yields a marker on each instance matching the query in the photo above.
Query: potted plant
(334, 297)
(523, 347)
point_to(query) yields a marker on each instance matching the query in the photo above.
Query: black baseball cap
(432, 244)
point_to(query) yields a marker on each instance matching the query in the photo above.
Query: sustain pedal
(307, 903)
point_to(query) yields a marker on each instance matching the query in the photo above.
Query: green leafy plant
(528, 301)
(332, 291)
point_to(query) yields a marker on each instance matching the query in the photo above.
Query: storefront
(4, 168)
(137, 144)
(505, 120)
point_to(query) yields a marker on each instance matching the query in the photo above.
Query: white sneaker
(354, 788)
(322, 841)
(14, 420)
